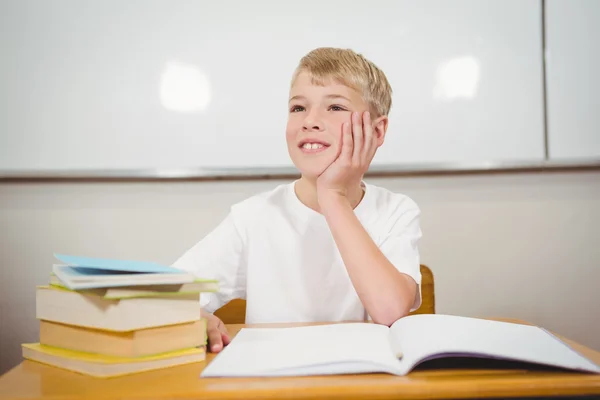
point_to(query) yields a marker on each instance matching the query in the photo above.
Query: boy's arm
(219, 255)
(386, 293)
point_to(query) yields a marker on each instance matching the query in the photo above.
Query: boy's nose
(312, 125)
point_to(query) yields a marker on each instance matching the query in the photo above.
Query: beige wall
(524, 246)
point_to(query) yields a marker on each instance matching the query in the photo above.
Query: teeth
(312, 146)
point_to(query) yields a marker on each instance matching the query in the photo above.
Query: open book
(370, 348)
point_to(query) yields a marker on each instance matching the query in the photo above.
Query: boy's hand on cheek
(356, 151)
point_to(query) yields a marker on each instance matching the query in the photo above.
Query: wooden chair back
(234, 312)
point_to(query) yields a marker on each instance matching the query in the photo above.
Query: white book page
(424, 336)
(311, 350)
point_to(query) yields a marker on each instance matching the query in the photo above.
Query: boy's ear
(380, 125)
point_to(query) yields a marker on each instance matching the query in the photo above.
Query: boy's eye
(337, 108)
(296, 109)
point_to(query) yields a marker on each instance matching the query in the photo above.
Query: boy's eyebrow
(329, 96)
(297, 97)
(337, 96)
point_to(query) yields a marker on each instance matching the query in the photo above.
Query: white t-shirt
(280, 256)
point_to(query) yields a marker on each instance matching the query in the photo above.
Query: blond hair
(350, 69)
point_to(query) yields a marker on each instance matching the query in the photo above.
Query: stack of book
(107, 318)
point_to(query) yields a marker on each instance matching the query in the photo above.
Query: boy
(327, 247)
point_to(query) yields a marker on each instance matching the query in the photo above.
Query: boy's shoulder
(382, 198)
(390, 211)
(264, 201)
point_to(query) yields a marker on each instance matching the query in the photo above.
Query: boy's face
(315, 118)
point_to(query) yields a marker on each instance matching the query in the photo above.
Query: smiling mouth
(313, 147)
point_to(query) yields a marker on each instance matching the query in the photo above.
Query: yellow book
(137, 343)
(108, 366)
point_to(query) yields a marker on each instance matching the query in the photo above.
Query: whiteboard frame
(208, 174)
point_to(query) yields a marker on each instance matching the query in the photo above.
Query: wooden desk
(31, 380)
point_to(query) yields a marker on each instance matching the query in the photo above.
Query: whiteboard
(573, 83)
(137, 84)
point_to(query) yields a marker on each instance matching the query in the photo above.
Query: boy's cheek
(290, 134)
(292, 128)
(340, 120)
(337, 131)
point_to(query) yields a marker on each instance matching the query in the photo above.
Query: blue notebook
(89, 273)
(115, 265)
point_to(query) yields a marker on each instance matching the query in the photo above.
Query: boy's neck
(306, 191)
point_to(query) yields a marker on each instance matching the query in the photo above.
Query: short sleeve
(219, 255)
(400, 243)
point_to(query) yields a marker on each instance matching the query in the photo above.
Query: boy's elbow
(391, 313)
(396, 303)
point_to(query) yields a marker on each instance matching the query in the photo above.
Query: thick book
(138, 343)
(87, 273)
(102, 366)
(353, 348)
(83, 309)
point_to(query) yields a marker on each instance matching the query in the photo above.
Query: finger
(224, 334)
(215, 340)
(347, 143)
(357, 135)
(369, 146)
